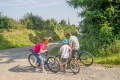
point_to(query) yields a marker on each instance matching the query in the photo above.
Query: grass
(19, 38)
(114, 59)
(12, 38)
(55, 50)
(107, 62)
(109, 55)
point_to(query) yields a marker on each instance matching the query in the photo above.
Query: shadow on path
(10, 55)
(22, 69)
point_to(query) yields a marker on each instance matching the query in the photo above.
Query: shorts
(74, 53)
(64, 60)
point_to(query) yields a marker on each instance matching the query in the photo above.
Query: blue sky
(47, 9)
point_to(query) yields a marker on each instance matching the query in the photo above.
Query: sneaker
(65, 71)
(37, 70)
(44, 71)
(61, 70)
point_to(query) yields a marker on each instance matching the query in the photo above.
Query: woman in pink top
(38, 49)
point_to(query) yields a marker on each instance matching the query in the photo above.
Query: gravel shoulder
(14, 65)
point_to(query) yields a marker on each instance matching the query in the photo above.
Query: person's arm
(49, 37)
(70, 52)
(60, 51)
(42, 51)
(70, 45)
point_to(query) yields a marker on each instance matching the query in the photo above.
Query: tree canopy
(101, 22)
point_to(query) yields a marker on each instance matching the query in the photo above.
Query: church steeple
(68, 21)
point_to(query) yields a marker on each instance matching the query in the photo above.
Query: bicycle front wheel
(32, 60)
(86, 58)
(53, 64)
(58, 57)
(75, 67)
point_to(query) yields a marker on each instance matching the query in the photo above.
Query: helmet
(65, 40)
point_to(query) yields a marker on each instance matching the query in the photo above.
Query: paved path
(14, 66)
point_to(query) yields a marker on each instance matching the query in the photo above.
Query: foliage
(101, 19)
(6, 23)
(100, 26)
(62, 22)
(32, 21)
(15, 34)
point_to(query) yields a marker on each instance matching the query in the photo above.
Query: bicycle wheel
(53, 64)
(75, 67)
(32, 60)
(58, 57)
(86, 58)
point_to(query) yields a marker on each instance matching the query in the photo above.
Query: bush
(7, 23)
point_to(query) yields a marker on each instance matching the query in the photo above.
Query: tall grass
(106, 54)
(11, 38)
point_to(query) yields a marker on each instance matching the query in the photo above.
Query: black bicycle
(51, 62)
(85, 58)
(71, 63)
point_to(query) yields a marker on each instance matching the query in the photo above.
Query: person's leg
(74, 54)
(36, 55)
(65, 63)
(37, 62)
(61, 66)
(37, 66)
(41, 62)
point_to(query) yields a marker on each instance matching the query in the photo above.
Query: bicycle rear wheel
(32, 60)
(53, 64)
(86, 58)
(75, 67)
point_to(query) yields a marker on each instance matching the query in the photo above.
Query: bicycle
(71, 63)
(85, 58)
(51, 62)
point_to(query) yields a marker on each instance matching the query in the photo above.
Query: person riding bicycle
(37, 50)
(65, 51)
(74, 44)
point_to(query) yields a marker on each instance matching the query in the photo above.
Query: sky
(47, 9)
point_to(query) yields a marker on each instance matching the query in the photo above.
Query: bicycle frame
(46, 57)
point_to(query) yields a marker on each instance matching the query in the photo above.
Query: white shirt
(65, 51)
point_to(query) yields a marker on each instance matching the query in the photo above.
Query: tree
(63, 22)
(33, 21)
(7, 23)
(101, 22)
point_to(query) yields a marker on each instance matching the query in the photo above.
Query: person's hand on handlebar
(46, 50)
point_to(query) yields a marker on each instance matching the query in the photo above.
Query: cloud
(30, 3)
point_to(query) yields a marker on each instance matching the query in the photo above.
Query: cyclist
(74, 44)
(65, 51)
(37, 50)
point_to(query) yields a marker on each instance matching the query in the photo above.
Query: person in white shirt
(65, 51)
